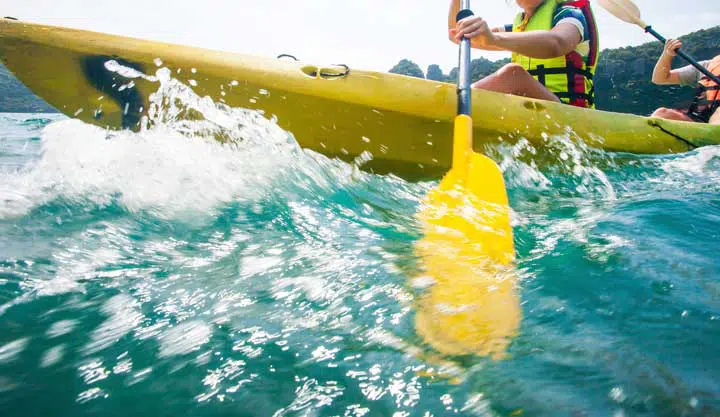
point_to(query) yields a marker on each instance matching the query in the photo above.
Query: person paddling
(705, 108)
(554, 47)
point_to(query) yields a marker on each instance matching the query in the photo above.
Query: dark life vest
(707, 98)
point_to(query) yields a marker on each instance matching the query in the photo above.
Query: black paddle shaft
(685, 56)
(464, 94)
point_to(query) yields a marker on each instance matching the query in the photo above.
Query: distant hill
(479, 68)
(622, 81)
(623, 77)
(16, 98)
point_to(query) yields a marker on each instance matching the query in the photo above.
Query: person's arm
(452, 16)
(662, 75)
(454, 28)
(541, 44)
(505, 28)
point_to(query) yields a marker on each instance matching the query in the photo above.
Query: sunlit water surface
(163, 274)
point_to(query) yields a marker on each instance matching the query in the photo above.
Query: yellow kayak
(404, 122)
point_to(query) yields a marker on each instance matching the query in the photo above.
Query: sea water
(162, 273)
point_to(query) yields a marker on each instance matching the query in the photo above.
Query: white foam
(123, 318)
(10, 351)
(184, 338)
(172, 166)
(52, 356)
(61, 328)
(160, 170)
(696, 163)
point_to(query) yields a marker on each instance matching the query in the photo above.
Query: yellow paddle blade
(467, 254)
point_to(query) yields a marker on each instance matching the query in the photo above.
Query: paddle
(467, 249)
(627, 11)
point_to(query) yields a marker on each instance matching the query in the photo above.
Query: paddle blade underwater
(467, 254)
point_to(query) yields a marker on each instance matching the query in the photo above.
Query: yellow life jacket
(707, 99)
(569, 77)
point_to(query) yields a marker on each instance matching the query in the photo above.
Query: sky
(364, 34)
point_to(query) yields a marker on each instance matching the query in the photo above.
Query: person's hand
(671, 47)
(473, 27)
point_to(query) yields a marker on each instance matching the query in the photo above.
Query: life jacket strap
(541, 71)
(703, 108)
(573, 96)
(576, 94)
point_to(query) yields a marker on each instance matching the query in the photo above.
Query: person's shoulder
(574, 16)
(567, 11)
(689, 75)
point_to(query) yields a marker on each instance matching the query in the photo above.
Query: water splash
(271, 280)
(172, 166)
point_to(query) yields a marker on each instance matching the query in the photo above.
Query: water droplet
(617, 394)
(90, 395)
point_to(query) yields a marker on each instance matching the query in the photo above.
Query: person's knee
(511, 70)
(715, 118)
(662, 112)
(480, 84)
(671, 114)
(507, 74)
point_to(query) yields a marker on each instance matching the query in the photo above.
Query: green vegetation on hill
(16, 98)
(434, 73)
(479, 68)
(622, 81)
(407, 67)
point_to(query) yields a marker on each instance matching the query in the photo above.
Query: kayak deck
(404, 122)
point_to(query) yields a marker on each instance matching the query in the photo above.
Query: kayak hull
(405, 123)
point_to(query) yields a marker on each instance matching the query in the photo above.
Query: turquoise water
(162, 274)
